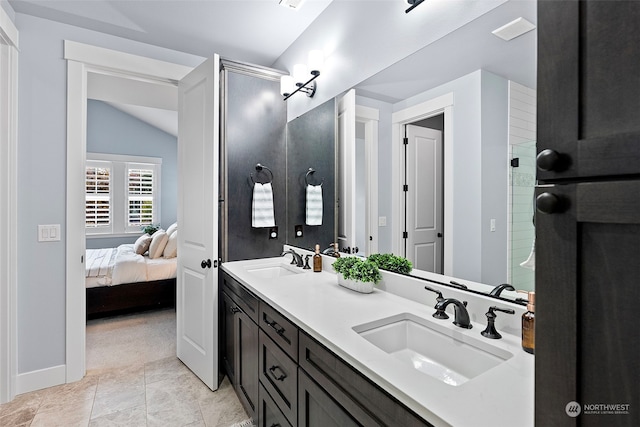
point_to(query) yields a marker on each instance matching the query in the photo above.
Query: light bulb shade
(300, 74)
(316, 60)
(286, 85)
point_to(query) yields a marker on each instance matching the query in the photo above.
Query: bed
(118, 281)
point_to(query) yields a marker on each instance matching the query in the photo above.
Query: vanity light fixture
(413, 4)
(303, 76)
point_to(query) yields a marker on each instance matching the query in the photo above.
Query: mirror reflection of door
(424, 195)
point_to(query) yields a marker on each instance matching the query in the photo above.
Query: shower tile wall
(522, 145)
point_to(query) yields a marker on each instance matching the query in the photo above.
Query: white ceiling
(255, 31)
(261, 31)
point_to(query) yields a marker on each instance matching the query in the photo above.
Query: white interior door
(424, 207)
(198, 163)
(347, 171)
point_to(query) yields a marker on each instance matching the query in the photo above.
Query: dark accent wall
(254, 123)
(311, 141)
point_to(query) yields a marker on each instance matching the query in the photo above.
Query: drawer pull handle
(279, 330)
(275, 425)
(280, 377)
(235, 310)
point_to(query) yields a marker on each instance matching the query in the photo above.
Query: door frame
(8, 208)
(430, 108)
(370, 118)
(82, 60)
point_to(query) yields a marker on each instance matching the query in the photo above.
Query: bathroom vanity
(302, 350)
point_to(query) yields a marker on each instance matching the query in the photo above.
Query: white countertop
(501, 396)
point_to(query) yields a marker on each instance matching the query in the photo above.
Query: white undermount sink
(445, 354)
(274, 270)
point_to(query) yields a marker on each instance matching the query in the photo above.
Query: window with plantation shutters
(139, 196)
(122, 193)
(98, 196)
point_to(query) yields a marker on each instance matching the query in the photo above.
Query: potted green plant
(150, 229)
(357, 273)
(391, 262)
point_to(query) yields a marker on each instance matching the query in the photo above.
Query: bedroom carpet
(133, 379)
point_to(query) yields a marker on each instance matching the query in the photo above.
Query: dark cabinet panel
(268, 414)
(280, 329)
(279, 376)
(247, 361)
(355, 392)
(587, 340)
(228, 309)
(588, 89)
(318, 409)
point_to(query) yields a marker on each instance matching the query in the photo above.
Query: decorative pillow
(171, 250)
(158, 242)
(172, 229)
(142, 244)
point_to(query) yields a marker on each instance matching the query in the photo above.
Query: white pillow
(171, 250)
(158, 242)
(172, 229)
(142, 244)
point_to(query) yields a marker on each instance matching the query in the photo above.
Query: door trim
(370, 118)
(83, 59)
(432, 107)
(8, 209)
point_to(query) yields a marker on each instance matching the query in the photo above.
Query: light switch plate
(49, 233)
(382, 221)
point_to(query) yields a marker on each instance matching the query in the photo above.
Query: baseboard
(42, 378)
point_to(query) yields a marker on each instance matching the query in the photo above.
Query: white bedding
(115, 266)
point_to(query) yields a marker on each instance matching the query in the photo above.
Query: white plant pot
(355, 285)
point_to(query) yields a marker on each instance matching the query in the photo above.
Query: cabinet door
(229, 309)
(588, 89)
(247, 350)
(587, 286)
(317, 409)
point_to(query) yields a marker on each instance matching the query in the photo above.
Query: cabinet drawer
(281, 330)
(268, 413)
(339, 378)
(241, 296)
(279, 376)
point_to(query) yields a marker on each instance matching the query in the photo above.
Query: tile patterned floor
(133, 379)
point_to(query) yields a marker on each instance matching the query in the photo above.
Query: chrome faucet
(460, 309)
(296, 258)
(498, 289)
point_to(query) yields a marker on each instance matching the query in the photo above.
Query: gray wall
(112, 131)
(42, 179)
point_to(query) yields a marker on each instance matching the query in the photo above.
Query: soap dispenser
(528, 323)
(317, 260)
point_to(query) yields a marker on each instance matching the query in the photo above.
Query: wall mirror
(487, 121)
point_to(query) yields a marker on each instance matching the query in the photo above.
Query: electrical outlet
(382, 221)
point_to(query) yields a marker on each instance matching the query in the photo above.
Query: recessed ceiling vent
(292, 4)
(514, 29)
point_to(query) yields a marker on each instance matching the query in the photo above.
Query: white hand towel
(262, 206)
(314, 204)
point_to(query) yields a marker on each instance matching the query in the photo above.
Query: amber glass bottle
(317, 260)
(528, 325)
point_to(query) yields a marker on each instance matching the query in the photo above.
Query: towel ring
(306, 177)
(259, 168)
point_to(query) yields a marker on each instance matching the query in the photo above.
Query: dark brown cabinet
(241, 342)
(588, 214)
(284, 377)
